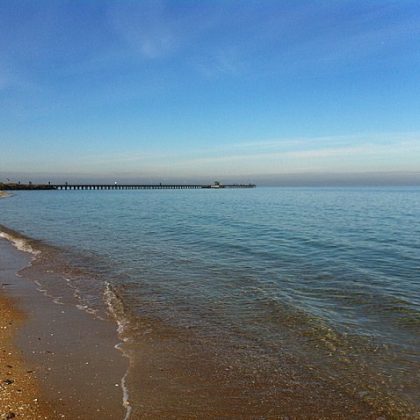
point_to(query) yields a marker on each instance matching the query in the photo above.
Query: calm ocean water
(271, 300)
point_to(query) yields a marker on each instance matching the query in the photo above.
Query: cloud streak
(341, 159)
(397, 152)
(146, 28)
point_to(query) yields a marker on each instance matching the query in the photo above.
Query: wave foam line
(116, 309)
(19, 243)
(82, 306)
(55, 299)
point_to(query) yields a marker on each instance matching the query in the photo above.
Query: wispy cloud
(290, 143)
(402, 155)
(223, 62)
(395, 151)
(146, 27)
(326, 155)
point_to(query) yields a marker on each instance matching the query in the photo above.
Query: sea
(242, 303)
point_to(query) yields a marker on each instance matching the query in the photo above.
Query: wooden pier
(68, 186)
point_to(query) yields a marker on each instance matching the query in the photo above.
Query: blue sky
(194, 90)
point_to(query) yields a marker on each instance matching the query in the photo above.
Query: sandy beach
(56, 361)
(20, 395)
(19, 388)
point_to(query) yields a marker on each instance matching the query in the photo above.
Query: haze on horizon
(276, 93)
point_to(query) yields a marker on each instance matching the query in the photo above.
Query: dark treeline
(30, 186)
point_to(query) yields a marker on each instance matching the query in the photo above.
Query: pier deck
(15, 187)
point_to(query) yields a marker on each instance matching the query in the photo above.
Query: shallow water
(263, 302)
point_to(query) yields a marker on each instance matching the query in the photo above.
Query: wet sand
(20, 395)
(19, 389)
(56, 361)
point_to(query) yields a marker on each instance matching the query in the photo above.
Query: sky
(273, 92)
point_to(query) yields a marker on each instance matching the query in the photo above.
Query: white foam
(20, 243)
(90, 311)
(82, 306)
(117, 311)
(55, 299)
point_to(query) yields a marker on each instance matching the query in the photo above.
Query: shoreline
(66, 363)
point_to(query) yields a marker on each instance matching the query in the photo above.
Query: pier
(67, 186)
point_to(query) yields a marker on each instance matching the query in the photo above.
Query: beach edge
(59, 353)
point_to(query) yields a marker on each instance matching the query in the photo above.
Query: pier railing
(119, 186)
